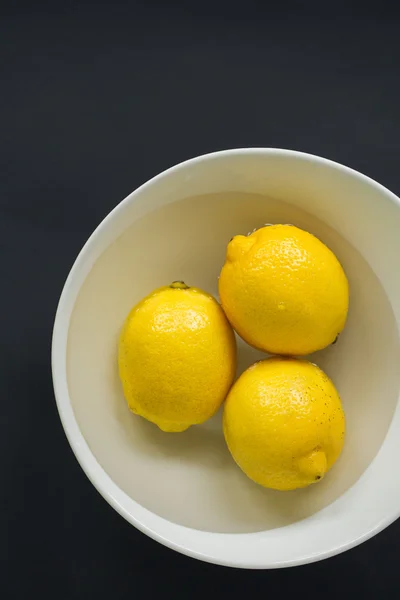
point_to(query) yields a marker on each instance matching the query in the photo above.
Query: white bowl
(184, 490)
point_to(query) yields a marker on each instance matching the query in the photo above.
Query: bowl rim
(170, 534)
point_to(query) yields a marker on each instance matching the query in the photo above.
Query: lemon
(283, 290)
(177, 357)
(284, 423)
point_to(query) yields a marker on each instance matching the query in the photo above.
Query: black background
(95, 100)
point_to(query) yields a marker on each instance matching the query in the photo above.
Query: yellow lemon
(283, 290)
(177, 357)
(284, 423)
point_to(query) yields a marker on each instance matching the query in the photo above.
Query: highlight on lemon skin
(176, 357)
(284, 423)
(284, 291)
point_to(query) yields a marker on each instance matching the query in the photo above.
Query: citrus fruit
(284, 423)
(177, 357)
(283, 290)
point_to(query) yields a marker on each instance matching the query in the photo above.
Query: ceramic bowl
(184, 490)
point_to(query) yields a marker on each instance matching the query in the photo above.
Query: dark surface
(94, 101)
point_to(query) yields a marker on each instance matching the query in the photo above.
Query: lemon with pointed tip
(283, 290)
(177, 357)
(284, 423)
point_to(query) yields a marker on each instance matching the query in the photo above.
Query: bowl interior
(190, 478)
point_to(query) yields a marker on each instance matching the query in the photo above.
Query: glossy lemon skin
(284, 291)
(177, 357)
(284, 423)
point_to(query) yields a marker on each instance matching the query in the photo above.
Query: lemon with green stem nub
(177, 357)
